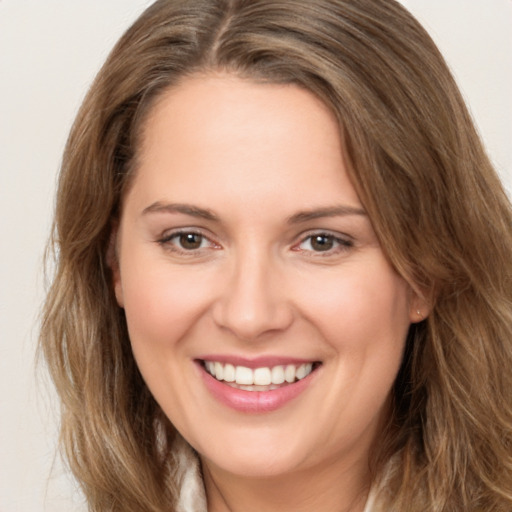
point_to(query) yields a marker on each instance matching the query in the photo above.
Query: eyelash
(339, 244)
(167, 242)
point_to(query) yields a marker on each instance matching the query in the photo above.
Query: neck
(330, 488)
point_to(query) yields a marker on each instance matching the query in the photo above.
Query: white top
(192, 496)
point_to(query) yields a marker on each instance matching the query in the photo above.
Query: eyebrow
(185, 209)
(332, 211)
(304, 216)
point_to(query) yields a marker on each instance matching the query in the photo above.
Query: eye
(321, 243)
(186, 242)
(190, 241)
(324, 243)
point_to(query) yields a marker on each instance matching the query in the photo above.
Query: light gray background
(49, 52)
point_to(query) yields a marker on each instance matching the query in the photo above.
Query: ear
(419, 306)
(113, 263)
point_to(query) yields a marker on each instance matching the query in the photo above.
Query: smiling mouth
(266, 378)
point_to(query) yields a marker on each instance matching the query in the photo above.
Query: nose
(253, 301)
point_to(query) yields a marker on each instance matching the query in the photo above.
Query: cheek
(358, 307)
(363, 316)
(161, 303)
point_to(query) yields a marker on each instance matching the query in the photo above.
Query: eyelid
(165, 240)
(343, 241)
(168, 234)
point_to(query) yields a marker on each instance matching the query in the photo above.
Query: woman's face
(244, 251)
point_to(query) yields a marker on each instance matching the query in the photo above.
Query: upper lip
(256, 362)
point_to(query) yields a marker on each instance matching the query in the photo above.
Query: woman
(283, 276)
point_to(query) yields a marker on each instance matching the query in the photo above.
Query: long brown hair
(435, 202)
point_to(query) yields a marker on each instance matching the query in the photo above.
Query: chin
(257, 459)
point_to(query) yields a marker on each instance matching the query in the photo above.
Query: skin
(255, 156)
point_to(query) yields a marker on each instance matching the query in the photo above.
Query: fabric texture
(192, 497)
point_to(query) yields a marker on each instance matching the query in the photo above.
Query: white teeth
(254, 388)
(264, 376)
(244, 375)
(289, 373)
(219, 371)
(229, 373)
(303, 370)
(277, 375)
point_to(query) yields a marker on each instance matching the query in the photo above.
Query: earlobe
(113, 264)
(419, 308)
(118, 288)
(418, 316)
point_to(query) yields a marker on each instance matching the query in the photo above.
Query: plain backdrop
(50, 51)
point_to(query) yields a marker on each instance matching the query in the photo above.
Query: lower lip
(254, 401)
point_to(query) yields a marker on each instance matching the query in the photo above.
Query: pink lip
(257, 362)
(254, 401)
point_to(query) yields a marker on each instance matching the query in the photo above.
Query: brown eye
(190, 241)
(187, 243)
(326, 243)
(321, 243)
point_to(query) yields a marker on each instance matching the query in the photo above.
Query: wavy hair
(422, 174)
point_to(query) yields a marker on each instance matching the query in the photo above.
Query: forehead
(221, 134)
(225, 108)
